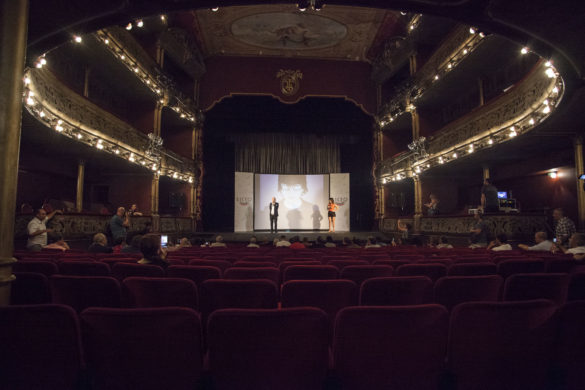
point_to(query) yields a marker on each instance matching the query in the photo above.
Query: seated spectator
(134, 246)
(253, 243)
(99, 244)
(380, 241)
(218, 242)
(479, 232)
(371, 243)
(329, 242)
(500, 243)
(296, 243)
(283, 242)
(152, 252)
(133, 211)
(59, 243)
(319, 242)
(307, 243)
(119, 244)
(577, 246)
(444, 243)
(542, 243)
(354, 243)
(405, 230)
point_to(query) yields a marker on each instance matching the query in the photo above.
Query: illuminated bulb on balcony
(482, 35)
(183, 115)
(428, 165)
(39, 65)
(384, 181)
(470, 150)
(417, 169)
(455, 155)
(465, 51)
(59, 122)
(163, 18)
(190, 180)
(99, 145)
(154, 167)
(122, 57)
(79, 136)
(531, 121)
(215, 9)
(158, 90)
(143, 162)
(490, 141)
(107, 41)
(59, 128)
(139, 23)
(30, 101)
(512, 132)
(449, 65)
(117, 151)
(42, 114)
(548, 64)
(77, 38)
(175, 175)
(546, 110)
(436, 77)
(555, 90)
(471, 30)
(148, 82)
(43, 61)
(524, 50)
(131, 158)
(412, 26)
(441, 161)
(553, 174)
(136, 70)
(545, 102)
(550, 73)
(129, 26)
(26, 80)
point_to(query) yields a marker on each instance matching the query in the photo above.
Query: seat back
(391, 291)
(157, 348)
(44, 267)
(221, 264)
(81, 292)
(243, 273)
(569, 356)
(450, 291)
(390, 347)
(359, 273)
(123, 270)
(84, 268)
(510, 267)
(159, 292)
(472, 269)
(254, 264)
(432, 270)
(251, 294)
(29, 288)
(310, 272)
(501, 345)
(41, 347)
(522, 287)
(341, 264)
(198, 274)
(268, 349)
(577, 287)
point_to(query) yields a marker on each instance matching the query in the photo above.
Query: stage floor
(310, 234)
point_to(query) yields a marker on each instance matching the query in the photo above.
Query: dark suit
(273, 217)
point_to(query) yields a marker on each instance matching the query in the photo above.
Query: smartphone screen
(164, 240)
(555, 239)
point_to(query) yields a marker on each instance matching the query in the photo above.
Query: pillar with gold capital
(79, 192)
(580, 170)
(13, 25)
(154, 204)
(486, 172)
(417, 203)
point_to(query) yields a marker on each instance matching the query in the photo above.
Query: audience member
(252, 243)
(380, 241)
(500, 243)
(99, 244)
(542, 243)
(307, 243)
(329, 242)
(134, 246)
(283, 242)
(371, 243)
(152, 252)
(354, 243)
(296, 243)
(118, 244)
(59, 243)
(37, 230)
(218, 242)
(319, 242)
(489, 197)
(405, 229)
(564, 227)
(479, 232)
(133, 211)
(119, 224)
(433, 205)
(576, 246)
(444, 243)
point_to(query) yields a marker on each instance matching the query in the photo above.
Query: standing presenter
(274, 216)
(331, 209)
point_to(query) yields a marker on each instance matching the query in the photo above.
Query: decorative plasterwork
(183, 50)
(70, 114)
(220, 31)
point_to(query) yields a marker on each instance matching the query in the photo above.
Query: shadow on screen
(316, 217)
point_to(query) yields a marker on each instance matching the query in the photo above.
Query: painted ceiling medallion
(288, 31)
(289, 81)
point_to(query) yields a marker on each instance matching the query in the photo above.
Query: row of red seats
(504, 345)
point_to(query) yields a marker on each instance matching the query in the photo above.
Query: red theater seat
(198, 274)
(149, 349)
(40, 347)
(159, 292)
(243, 273)
(391, 291)
(83, 268)
(577, 287)
(257, 264)
(29, 288)
(221, 264)
(522, 287)
(123, 270)
(472, 269)
(81, 292)
(46, 268)
(310, 272)
(501, 345)
(359, 273)
(431, 270)
(341, 264)
(390, 347)
(510, 267)
(268, 349)
(569, 356)
(453, 290)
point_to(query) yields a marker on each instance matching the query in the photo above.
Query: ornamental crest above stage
(289, 81)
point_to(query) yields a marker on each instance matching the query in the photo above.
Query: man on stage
(274, 216)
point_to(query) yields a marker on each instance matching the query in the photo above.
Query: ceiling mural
(336, 32)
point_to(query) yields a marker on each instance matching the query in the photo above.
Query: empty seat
(341, 264)
(270, 273)
(268, 349)
(359, 273)
(328, 295)
(81, 292)
(84, 268)
(159, 292)
(41, 347)
(521, 287)
(472, 269)
(390, 291)
(221, 264)
(452, 290)
(569, 357)
(158, 348)
(432, 270)
(221, 294)
(198, 274)
(392, 263)
(270, 259)
(123, 270)
(560, 265)
(576, 287)
(310, 272)
(390, 347)
(501, 345)
(44, 267)
(29, 288)
(257, 264)
(510, 267)
(285, 264)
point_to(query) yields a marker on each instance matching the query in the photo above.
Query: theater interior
(161, 103)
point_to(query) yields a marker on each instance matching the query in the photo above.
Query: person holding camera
(119, 224)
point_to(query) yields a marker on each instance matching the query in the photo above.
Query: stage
(263, 235)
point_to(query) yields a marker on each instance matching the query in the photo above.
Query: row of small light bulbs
(64, 127)
(521, 126)
(451, 64)
(139, 72)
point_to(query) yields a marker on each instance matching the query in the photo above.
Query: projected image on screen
(302, 201)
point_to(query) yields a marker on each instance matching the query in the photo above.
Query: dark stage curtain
(279, 153)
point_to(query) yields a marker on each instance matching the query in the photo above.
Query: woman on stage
(331, 209)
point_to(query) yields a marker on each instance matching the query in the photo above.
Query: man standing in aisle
(274, 216)
(119, 224)
(564, 228)
(37, 230)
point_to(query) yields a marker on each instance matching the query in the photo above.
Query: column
(14, 23)
(79, 193)
(415, 124)
(486, 172)
(86, 82)
(481, 94)
(580, 170)
(154, 204)
(417, 204)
